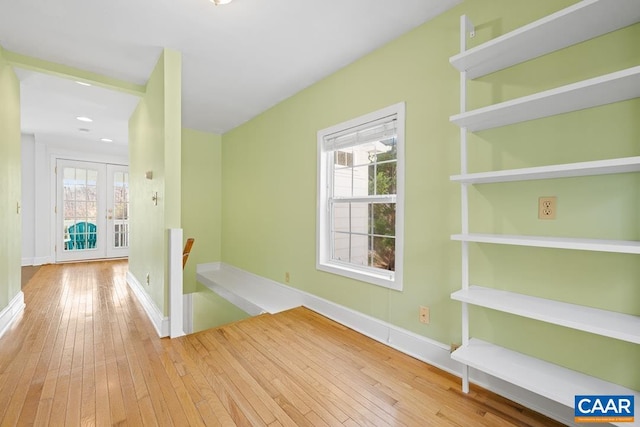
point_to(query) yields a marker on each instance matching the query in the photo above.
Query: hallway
(84, 353)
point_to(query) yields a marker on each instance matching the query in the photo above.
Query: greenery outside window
(360, 190)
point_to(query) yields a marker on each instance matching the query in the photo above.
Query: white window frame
(387, 279)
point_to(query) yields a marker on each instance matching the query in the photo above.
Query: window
(360, 190)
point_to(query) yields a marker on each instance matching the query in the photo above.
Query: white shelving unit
(602, 90)
(546, 379)
(582, 21)
(598, 167)
(602, 322)
(617, 246)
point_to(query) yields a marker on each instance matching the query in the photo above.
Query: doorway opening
(92, 210)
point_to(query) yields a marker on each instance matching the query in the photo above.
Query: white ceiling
(238, 59)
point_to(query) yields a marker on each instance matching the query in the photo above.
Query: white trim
(187, 313)
(43, 260)
(176, 298)
(11, 312)
(160, 322)
(271, 296)
(391, 280)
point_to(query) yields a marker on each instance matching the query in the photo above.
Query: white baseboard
(35, 261)
(11, 312)
(43, 260)
(187, 322)
(160, 322)
(270, 296)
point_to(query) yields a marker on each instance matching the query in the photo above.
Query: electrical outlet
(287, 277)
(547, 207)
(148, 279)
(424, 315)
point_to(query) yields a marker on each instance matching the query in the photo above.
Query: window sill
(372, 277)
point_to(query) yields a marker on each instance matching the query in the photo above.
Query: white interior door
(92, 210)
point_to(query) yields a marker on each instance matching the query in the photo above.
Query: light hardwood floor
(84, 353)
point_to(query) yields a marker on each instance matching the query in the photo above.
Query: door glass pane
(121, 209)
(80, 216)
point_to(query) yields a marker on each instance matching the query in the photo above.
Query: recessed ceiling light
(83, 83)
(106, 140)
(84, 130)
(84, 119)
(219, 2)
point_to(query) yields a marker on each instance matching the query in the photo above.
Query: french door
(92, 219)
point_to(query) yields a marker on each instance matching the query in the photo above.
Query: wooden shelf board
(621, 326)
(614, 87)
(582, 21)
(599, 167)
(616, 246)
(547, 379)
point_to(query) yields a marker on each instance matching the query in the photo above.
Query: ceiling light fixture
(219, 2)
(83, 83)
(106, 140)
(84, 119)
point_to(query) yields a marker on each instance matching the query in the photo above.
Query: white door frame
(105, 236)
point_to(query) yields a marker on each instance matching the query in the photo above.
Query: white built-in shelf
(621, 326)
(582, 21)
(547, 379)
(617, 246)
(251, 293)
(599, 167)
(614, 87)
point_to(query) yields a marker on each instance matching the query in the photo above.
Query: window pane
(384, 218)
(81, 176)
(351, 218)
(92, 193)
(69, 210)
(383, 253)
(359, 250)
(342, 182)
(81, 193)
(92, 210)
(81, 210)
(341, 217)
(69, 176)
(120, 209)
(360, 218)
(92, 177)
(341, 246)
(382, 178)
(360, 178)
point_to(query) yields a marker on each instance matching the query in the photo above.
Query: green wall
(269, 188)
(201, 219)
(201, 199)
(10, 193)
(155, 145)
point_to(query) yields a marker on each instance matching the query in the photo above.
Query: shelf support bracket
(467, 28)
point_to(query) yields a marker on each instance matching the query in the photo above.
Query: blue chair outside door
(82, 235)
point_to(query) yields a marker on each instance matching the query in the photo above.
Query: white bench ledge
(251, 293)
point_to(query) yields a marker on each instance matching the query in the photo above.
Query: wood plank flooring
(84, 353)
